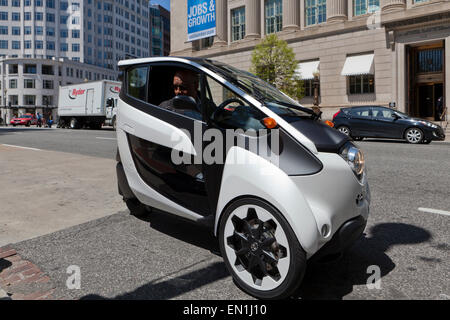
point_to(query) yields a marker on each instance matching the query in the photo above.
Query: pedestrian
(49, 121)
(39, 120)
(439, 107)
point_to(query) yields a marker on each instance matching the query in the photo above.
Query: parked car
(26, 119)
(381, 122)
(269, 217)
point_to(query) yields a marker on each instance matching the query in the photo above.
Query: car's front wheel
(414, 135)
(261, 250)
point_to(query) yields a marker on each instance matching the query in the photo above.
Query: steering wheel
(228, 101)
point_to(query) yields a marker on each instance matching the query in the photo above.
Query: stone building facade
(367, 52)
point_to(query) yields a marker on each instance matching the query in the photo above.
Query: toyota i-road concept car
(271, 209)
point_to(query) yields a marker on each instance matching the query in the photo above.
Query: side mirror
(184, 102)
(110, 102)
(395, 116)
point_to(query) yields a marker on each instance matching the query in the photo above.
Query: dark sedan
(382, 122)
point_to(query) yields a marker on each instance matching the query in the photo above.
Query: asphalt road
(163, 257)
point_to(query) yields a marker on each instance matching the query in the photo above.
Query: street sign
(201, 19)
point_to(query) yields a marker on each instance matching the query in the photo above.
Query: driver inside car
(185, 83)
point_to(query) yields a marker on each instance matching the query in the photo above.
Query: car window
(230, 111)
(137, 82)
(361, 112)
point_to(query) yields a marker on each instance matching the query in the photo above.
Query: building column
(291, 15)
(221, 38)
(252, 19)
(392, 5)
(337, 10)
(401, 77)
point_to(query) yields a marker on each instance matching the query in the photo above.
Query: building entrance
(425, 80)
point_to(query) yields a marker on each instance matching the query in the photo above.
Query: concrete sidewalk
(45, 191)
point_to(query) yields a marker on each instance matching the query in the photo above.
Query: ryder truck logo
(115, 89)
(74, 93)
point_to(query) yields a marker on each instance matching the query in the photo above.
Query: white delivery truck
(88, 104)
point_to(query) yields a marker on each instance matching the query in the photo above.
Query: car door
(385, 125)
(162, 141)
(360, 122)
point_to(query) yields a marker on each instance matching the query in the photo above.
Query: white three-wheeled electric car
(208, 142)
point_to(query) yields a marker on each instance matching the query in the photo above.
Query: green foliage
(274, 61)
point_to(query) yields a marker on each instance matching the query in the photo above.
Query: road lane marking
(428, 210)
(106, 138)
(10, 145)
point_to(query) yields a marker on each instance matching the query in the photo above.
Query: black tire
(414, 135)
(28, 124)
(136, 208)
(344, 129)
(230, 240)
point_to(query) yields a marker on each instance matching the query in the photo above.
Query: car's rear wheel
(414, 135)
(260, 250)
(74, 124)
(28, 124)
(344, 129)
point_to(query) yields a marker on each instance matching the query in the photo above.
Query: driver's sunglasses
(179, 87)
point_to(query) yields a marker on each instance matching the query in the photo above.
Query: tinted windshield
(274, 99)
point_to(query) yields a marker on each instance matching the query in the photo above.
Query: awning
(306, 70)
(358, 65)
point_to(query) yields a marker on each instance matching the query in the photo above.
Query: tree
(274, 61)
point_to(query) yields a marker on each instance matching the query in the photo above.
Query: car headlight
(354, 158)
(428, 124)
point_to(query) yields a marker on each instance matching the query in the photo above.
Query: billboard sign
(201, 19)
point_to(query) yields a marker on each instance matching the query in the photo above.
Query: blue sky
(164, 3)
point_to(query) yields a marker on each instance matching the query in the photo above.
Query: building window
(315, 11)
(27, 44)
(47, 84)
(237, 24)
(15, 31)
(3, 44)
(14, 99)
(47, 69)
(29, 100)
(13, 69)
(365, 6)
(431, 60)
(3, 30)
(273, 16)
(420, 1)
(29, 83)
(29, 68)
(75, 47)
(361, 84)
(15, 45)
(13, 84)
(309, 88)
(39, 44)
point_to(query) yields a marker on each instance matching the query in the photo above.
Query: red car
(27, 120)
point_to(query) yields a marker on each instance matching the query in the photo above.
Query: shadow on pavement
(336, 279)
(384, 140)
(183, 229)
(8, 130)
(173, 287)
(4, 264)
